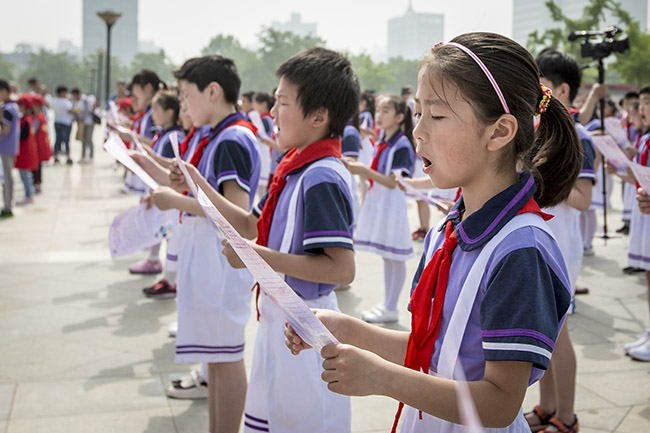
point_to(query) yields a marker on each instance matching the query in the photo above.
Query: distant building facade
(413, 34)
(295, 25)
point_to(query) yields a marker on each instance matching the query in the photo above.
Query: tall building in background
(124, 34)
(412, 34)
(295, 25)
(531, 15)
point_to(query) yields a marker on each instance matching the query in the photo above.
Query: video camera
(606, 45)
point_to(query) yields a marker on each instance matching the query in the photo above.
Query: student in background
(9, 142)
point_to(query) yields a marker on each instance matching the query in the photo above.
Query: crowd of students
(25, 142)
(314, 171)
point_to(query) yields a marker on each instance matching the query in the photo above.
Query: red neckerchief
(185, 144)
(291, 162)
(137, 119)
(378, 151)
(425, 317)
(232, 120)
(156, 137)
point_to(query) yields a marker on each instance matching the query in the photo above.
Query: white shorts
(213, 298)
(286, 392)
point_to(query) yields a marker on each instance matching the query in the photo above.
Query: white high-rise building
(124, 33)
(413, 34)
(531, 15)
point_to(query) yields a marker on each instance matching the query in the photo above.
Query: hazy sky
(182, 31)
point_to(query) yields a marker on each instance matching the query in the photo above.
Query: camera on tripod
(604, 46)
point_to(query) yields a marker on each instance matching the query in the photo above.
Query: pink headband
(486, 71)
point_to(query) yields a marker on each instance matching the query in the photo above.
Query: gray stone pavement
(84, 351)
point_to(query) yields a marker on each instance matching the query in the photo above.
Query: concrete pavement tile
(147, 420)
(91, 396)
(603, 419)
(7, 391)
(637, 420)
(38, 358)
(191, 416)
(373, 413)
(604, 358)
(3, 426)
(624, 387)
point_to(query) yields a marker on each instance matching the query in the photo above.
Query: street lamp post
(109, 18)
(100, 63)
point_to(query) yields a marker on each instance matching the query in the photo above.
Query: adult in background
(63, 117)
(120, 93)
(83, 108)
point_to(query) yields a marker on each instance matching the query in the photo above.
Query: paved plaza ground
(84, 351)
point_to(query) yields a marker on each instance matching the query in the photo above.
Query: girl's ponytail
(555, 158)
(408, 124)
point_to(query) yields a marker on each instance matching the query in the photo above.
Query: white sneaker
(588, 252)
(643, 338)
(189, 387)
(380, 315)
(377, 309)
(642, 352)
(172, 330)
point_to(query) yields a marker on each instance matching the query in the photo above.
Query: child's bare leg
(424, 213)
(564, 371)
(226, 395)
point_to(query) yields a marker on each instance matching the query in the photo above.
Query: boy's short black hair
(75, 91)
(147, 76)
(4, 85)
(213, 68)
(248, 95)
(645, 90)
(32, 81)
(559, 68)
(407, 90)
(325, 79)
(628, 96)
(61, 89)
(263, 97)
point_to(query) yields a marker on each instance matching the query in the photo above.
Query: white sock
(394, 277)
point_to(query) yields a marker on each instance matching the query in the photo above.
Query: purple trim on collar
(495, 333)
(516, 199)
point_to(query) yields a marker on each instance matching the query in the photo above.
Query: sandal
(544, 418)
(561, 427)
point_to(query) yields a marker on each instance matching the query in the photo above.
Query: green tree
(372, 76)
(157, 62)
(52, 69)
(249, 65)
(91, 75)
(6, 69)
(634, 66)
(404, 72)
(593, 18)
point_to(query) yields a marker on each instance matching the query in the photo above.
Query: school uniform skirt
(566, 228)
(285, 392)
(429, 424)
(597, 192)
(639, 250)
(629, 200)
(366, 152)
(383, 225)
(213, 298)
(134, 185)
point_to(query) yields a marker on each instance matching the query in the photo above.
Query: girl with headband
(491, 291)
